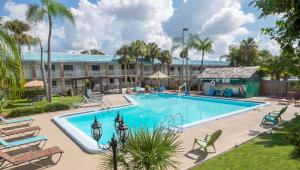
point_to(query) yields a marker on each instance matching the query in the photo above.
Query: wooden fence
(274, 88)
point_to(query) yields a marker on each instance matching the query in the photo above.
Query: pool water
(152, 109)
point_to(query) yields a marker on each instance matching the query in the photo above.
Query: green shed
(230, 81)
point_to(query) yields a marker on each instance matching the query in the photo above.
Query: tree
(178, 43)
(201, 45)
(286, 30)
(48, 10)
(154, 53)
(10, 61)
(140, 51)
(126, 59)
(147, 150)
(165, 57)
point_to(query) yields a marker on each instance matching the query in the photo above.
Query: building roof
(229, 72)
(86, 58)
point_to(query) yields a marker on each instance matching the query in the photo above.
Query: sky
(108, 24)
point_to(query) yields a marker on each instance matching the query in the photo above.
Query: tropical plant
(10, 61)
(2, 100)
(126, 58)
(178, 43)
(139, 51)
(154, 53)
(233, 56)
(147, 150)
(47, 11)
(18, 29)
(200, 45)
(165, 57)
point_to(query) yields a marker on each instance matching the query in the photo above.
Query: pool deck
(236, 130)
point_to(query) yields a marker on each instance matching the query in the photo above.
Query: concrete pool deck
(236, 130)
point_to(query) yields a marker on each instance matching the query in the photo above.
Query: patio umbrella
(158, 75)
(34, 84)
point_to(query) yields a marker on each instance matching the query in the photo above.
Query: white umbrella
(158, 75)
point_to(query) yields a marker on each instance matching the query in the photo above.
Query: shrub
(32, 93)
(155, 88)
(52, 107)
(147, 88)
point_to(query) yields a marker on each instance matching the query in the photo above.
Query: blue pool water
(152, 109)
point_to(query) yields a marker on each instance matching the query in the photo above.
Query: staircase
(169, 123)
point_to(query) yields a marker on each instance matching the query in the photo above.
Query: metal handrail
(169, 123)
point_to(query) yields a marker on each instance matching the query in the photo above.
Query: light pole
(185, 54)
(121, 128)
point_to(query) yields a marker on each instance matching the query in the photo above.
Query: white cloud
(108, 24)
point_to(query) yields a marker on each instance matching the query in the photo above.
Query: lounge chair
(25, 120)
(284, 101)
(139, 90)
(26, 141)
(32, 129)
(274, 117)
(297, 103)
(92, 100)
(8, 161)
(209, 140)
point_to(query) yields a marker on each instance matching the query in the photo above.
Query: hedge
(52, 107)
(32, 93)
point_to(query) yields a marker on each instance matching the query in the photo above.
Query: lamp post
(186, 57)
(120, 127)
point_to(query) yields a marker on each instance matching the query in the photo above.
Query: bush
(147, 88)
(52, 107)
(32, 93)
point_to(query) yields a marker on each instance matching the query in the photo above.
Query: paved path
(236, 130)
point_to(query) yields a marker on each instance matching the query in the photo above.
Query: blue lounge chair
(274, 117)
(25, 120)
(26, 141)
(162, 89)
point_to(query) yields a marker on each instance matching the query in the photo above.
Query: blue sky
(107, 24)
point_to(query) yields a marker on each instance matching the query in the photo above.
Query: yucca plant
(147, 150)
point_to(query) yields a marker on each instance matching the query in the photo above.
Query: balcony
(97, 73)
(75, 73)
(115, 72)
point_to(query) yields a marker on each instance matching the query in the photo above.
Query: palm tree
(47, 11)
(165, 57)
(126, 59)
(154, 52)
(201, 45)
(18, 29)
(248, 52)
(178, 43)
(140, 50)
(147, 150)
(10, 61)
(233, 56)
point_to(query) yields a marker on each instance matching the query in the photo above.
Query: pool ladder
(106, 104)
(170, 125)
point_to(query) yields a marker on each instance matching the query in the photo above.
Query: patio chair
(32, 130)
(8, 161)
(209, 140)
(92, 100)
(25, 120)
(26, 141)
(274, 117)
(284, 101)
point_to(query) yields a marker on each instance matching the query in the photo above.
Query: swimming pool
(149, 111)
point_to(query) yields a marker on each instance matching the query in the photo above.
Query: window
(95, 67)
(111, 67)
(54, 83)
(131, 66)
(52, 67)
(68, 82)
(172, 69)
(68, 67)
(178, 69)
(111, 81)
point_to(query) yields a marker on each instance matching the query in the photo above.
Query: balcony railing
(97, 73)
(73, 73)
(115, 72)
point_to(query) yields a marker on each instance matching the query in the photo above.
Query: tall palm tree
(154, 52)
(18, 29)
(148, 151)
(248, 52)
(201, 45)
(140, 50)
(47, 11)
(233, 56)
(165, 57)
(126, 59)
(10, 61)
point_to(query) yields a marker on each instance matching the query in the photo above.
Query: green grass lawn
(266, 152)
(23, 103)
